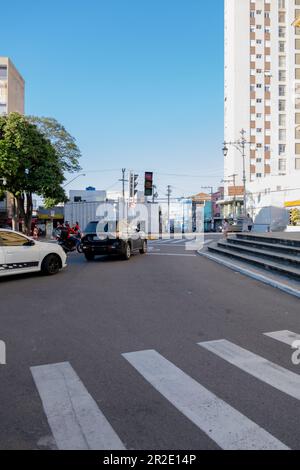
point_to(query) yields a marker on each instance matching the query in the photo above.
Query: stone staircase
(279, 253)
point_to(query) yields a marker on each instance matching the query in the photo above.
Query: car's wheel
(127, 251)
(51, 264)
(143, 250)
(89, 256)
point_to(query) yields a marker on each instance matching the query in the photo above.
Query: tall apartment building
(11, 100)
(11, 88)
(262, 96)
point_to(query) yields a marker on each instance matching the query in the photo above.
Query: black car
(112, 239)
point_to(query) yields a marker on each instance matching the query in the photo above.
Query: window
(282, 120)
(282, 61)
(12, 239)
(282, 75)
(281, 46)
(281, 105)
(2, 108)
(282, 165)
(297, 43)
(3, 72)
(297, 149)
(297, 74)
(297, 132)
(281, 90)
(297, 59)
(297, 164)
(297, 118)
(281, 17)
(282, 134)
(281, 4)
(281, 149)
(281, 32)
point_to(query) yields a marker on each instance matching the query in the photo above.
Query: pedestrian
(225, 228)
(36, 233)
(250, 222)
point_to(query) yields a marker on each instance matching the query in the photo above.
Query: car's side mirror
(29, 243)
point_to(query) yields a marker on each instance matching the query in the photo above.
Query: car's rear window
(91, 227)
(94, 227)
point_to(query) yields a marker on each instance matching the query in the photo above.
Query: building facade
(262, 96)
(12, 88)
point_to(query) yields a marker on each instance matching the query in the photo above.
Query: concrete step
(282, 269)
(277, 239)
(265, 245)
(282, 258)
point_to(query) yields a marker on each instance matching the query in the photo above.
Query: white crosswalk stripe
(74, 417)
(285, 336)
(171, 241)
(223, 424)
(268, 372)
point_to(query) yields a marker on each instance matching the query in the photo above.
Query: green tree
(33, 161)
(65, 145)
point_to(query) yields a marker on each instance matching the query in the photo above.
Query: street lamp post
(240, 145)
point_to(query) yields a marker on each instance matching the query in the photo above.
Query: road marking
(285, 336)
(74, 417)
(169, 254)
(272, 374)
(222, 423)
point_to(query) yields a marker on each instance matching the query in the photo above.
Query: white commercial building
(262, 96)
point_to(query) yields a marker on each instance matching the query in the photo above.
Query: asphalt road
(169, 392)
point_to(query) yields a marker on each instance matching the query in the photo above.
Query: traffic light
(148, 183)
(133, 185)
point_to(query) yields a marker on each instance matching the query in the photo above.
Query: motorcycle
(68, 243)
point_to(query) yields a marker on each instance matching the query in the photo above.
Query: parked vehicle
(20, 254)
(112, 239)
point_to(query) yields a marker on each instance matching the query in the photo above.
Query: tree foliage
(64, 144)
(34, 154)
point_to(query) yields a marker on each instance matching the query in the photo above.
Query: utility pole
(240, 145)
(169, 192)
(123, 180)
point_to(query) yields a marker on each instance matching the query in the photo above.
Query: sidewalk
(287, 285)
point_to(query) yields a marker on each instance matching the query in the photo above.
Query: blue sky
(139, 83)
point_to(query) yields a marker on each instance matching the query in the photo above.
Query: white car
(20, 254)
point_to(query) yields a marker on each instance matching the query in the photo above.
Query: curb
(253, 275)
